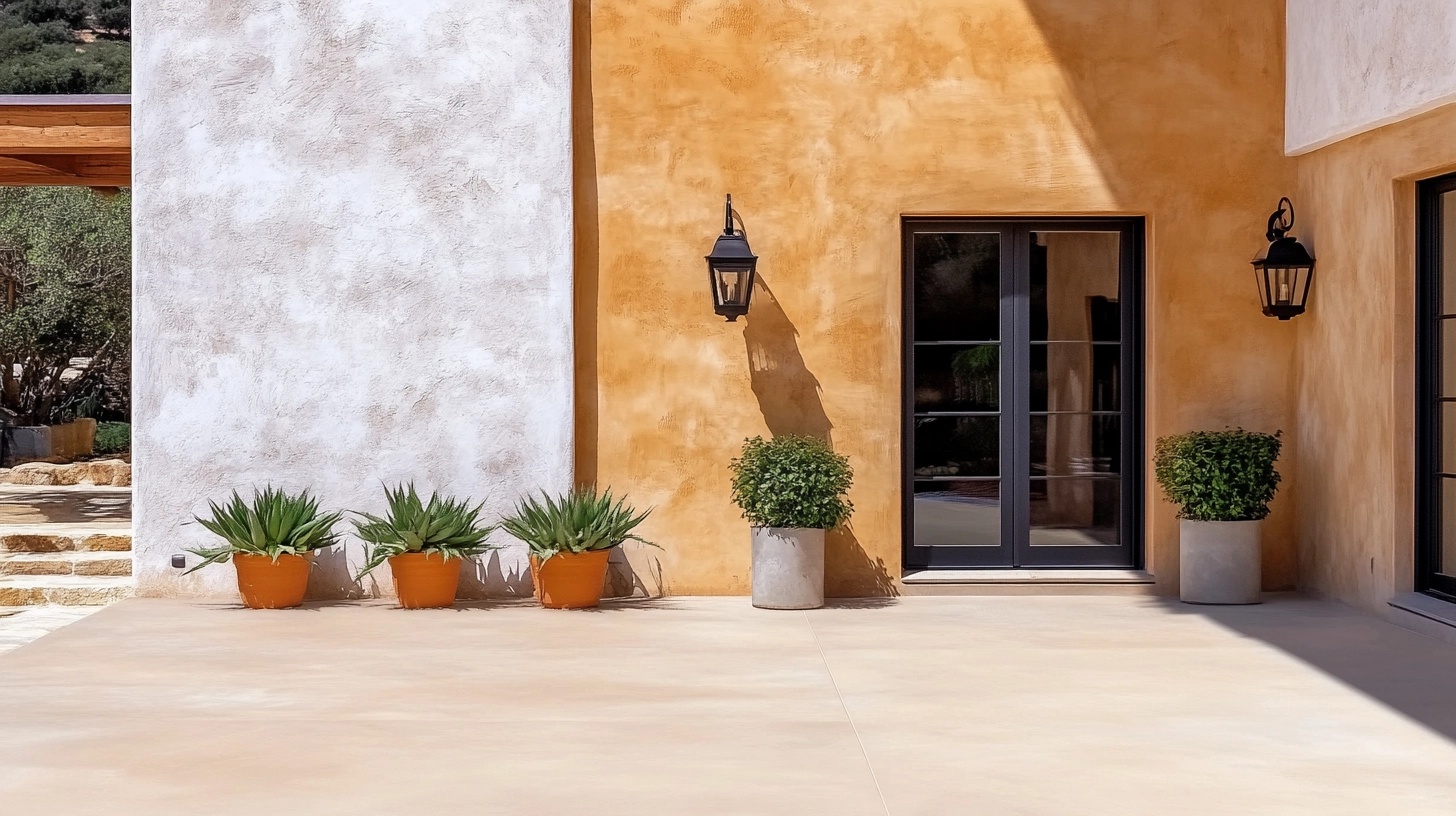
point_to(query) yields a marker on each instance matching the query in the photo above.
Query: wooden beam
(68, 139)
(65, 171)
(64, 129)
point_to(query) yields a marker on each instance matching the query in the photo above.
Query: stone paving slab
(967, 705)
(20, 625)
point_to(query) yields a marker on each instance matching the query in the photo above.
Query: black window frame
(1428, 399)
(1131, 554)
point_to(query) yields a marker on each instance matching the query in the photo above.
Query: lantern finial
(1279, 223)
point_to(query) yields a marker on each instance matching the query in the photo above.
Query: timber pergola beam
(66, 140)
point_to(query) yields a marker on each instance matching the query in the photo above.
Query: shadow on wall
(787, 392)
(333, 577)
(788, 396)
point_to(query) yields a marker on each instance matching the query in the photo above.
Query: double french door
(1022, 392)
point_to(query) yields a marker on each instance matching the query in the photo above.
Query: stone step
(65, 590)
(111, 472)
(38, 542)
(99, 562)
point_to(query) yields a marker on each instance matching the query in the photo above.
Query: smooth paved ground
(1000, 705)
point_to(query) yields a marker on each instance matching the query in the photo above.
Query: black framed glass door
(1022, 392)
(1436, 387)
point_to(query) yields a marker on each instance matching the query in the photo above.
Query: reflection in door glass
(957, 286)
(958, 378)
(1074, 513)
(958, 514)
(1074, 283)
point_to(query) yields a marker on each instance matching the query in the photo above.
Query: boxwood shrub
(1219, 475)
(792, 481)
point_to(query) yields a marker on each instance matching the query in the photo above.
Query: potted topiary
(424, 542)
(271, 543)
(1222, 482)
(791, 489)
(570, 539)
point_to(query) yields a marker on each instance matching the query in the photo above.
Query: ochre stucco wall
(827, 122)
(1354, 364)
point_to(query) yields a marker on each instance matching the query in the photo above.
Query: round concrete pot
(1219, 562)
(788, 568)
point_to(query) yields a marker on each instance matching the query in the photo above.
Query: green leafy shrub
(792, 481)
(1219, 475)
(579, 521)
(444, 525)
(276, 523)
(113, 437)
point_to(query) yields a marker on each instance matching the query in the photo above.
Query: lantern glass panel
(731, 286)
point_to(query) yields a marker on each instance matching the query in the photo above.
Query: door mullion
(1016, 457)
(1008, 389)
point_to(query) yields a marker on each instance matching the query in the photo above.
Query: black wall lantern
(1284, 271)
(731, 269)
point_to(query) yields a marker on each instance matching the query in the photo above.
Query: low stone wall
(113, 472)
(35, 443)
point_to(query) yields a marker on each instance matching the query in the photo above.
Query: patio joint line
(874, 777)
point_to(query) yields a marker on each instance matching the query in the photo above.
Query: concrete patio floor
(996, 705)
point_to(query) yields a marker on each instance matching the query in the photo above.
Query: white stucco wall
(353, 260)
(1355, 65)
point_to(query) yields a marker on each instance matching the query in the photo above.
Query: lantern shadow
(789, 397)
(787, 392)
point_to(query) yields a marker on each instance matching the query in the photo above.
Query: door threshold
(1027, 576)
(1028, 582)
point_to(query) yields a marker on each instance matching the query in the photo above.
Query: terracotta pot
(268, 584)
(425, 580)
(570, 580)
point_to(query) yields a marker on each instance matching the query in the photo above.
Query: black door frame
(1429, 476)
(1015, 394)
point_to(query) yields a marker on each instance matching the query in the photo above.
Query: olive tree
(65, 296)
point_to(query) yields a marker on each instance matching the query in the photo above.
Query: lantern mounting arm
(729, 216)
(1280, 223)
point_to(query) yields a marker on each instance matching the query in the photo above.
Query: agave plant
(276, 523)
(444, 525)
(579, 521)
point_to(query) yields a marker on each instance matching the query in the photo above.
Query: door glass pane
(1074, 285)
(1075, 444)
(1448, 357)
(957, 286)
(1447, 553)
(1074, 512)
(957, 446)
(1448, 437)
(958, 514)
(1448, 253)
(958, 378)
(1075, 376)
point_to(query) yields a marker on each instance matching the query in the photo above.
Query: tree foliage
(1219, 475)
(65, 46)
(65, 293)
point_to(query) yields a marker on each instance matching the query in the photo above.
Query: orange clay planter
(268, 584)
(570, 580)
(425, 580)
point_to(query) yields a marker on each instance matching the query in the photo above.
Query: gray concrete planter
(788, 568)
(1219, 562)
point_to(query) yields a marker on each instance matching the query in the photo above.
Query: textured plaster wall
(353, 237)
(1355, 362)
(1355, 65)
(828, 122)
